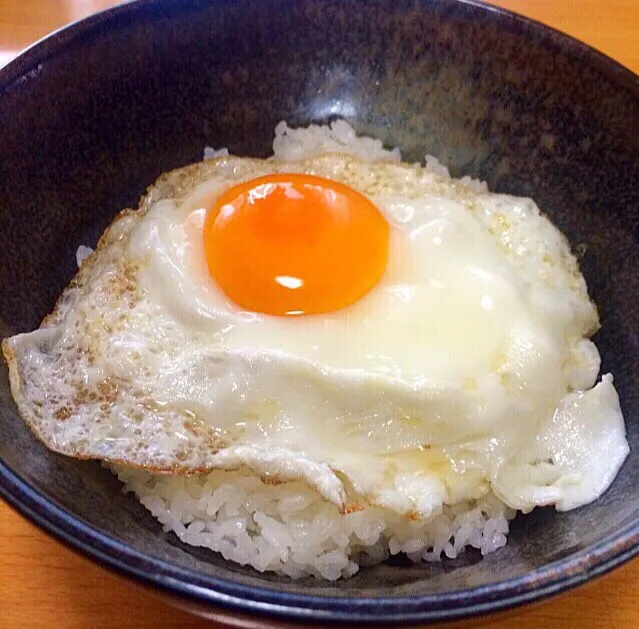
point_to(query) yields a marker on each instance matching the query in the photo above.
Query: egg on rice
(311, 362)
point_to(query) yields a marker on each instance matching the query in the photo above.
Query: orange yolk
(290, 244)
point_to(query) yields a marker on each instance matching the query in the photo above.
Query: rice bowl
(541, 557)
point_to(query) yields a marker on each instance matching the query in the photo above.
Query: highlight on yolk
(290, 244)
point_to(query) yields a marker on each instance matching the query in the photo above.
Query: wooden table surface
(43, 584)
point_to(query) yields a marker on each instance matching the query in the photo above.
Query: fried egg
(387, 335)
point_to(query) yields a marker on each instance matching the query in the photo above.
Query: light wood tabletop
(43, 584)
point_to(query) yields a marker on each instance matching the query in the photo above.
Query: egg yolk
(292, 244)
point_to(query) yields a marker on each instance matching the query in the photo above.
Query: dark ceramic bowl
(93, 114)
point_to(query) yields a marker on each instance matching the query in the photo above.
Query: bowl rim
(197, 587)
(200, 588)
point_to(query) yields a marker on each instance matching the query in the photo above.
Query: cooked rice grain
(292, 530)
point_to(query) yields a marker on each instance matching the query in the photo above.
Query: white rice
(82, 254)
(338, 137)
(289, 528)
(210, 153)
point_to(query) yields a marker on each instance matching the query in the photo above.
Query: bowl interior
(92, 116)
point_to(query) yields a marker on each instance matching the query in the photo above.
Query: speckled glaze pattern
(90, 117)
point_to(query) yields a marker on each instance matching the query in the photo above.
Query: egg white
(468, 367)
